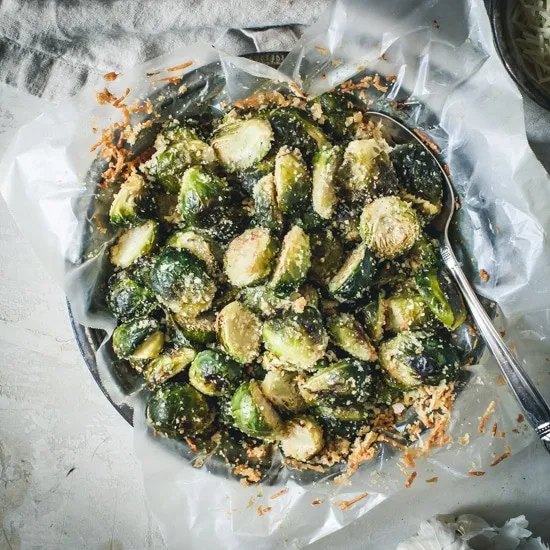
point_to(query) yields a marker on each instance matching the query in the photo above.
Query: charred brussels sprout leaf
(348, 334)
(127, 299)
(292, 182)
(389, 227)
(405, 311)
(326, 163)
(413, 358)
(239, 145)
(129, 203)
(422, 256)
(200, 246)
(343, 420)
(179, 280)
(214, 373)
(354, 278)
(297, 338)
(303, 438)
(337, 108)
(253, 414)
(282, 390)
(199, 330)
(251, 176)
(168, 365)
(442, 296)
(134, 243)
(178, 410)
(374, 313)
(327, 255)
(266, 210)
(138, 339)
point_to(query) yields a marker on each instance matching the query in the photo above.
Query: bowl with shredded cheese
(521, 30)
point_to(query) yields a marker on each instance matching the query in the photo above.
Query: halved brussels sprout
(253, 414)
(179, 280)
(127, 299)
(239, 332)
(198, 245)
(266, 210)
(421, 176)
(241, 144)
(263, 301)
(389, 226)
(137, 339)
(249, 257)
(348, 334)
(341, 420)
(200, 192)
(337, 108)
(167, 365)
(442, 296)
(355, 277)
(282, 390)
(346, 382)
(292, 182)
(134, 243)
(178, 411)
(127, 205)
(293, 262)
(367, 171)
(200, 329)
(326, 163)
(375, 316)
(413, 358)
(303, 438)
(346, 222)
(214, 373)
(422, 256)
(406, 310)
(297, 338)
(251, 176)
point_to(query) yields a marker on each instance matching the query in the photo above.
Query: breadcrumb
(475, 473)
(484, 276)
(503, 456)
(432, 480)
(410, 480)
(180, 67)
(279, 494)
(347, 504)
(485, 417)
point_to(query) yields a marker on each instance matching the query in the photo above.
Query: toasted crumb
(520, 418)
(316, 502)
(169, 79)
(248, 474)
(322, 50)
(484, 275)
(263, 510)
(155, 73)
(192, 444)
(485, 417)
(503, 456)
(501, 435)
(297, 90)
(432, 480)
(279, 494)
(250, 502)
(446, 169)
(500, 380)
(464, 439)
(410, 479)
(494, 429)
(377, 83)
(476, 473)
(110, 77)
(347, 504)
(427, 141)
(180, 67)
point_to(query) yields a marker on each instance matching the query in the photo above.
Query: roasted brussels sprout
(282, 390)
(129, 203)
(127, 299)
(179, 280)
(134, 243)
(253, 414)
(326, 163)
(214, 373)
(200, 329)
(266, 210)
(346, 382)
(249, 257)
(337, 108)
(303, 438)
(413, 358)
(239, 145)
(442, 296)
(200, 246)
(250, 177)
(239, 332)
(296, 338)
(374, 313)
(179, 411)
(354, 278)
(346, 222)
(293, 262)
(422, 256)
(421, 176)
(389, 227)
(263, 301)
(406, 310)
(166, 366)
(348, 334)
(327, 255)
(344, 421)
(292, 182)
(138, 339)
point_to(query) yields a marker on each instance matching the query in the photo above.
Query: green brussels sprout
(422, 256)
(249, 257)
(421, 175)
(292, 182)
(239, 332)
(442, 296)
(179, 281)
(346, 222)
(406, 310)
(239, 145)
(177, 148)
(200, 329)
(266, 210)
(250, 177)
(374, 313)
(253, 414)
(386, 393)
(200, 192)
(128, 204)
(198, 245)
(222, 224)
(355, 277)
(337, 108)
(348, 334)
(166, 366)
(303, 438)
(326, 163)
(263, 301)
(296, 338)
(413, 358)
(327, 255)
(345, 382)
(282, 390)
(293, 262)
(366, 171)
(389, 227)
(127, 299)
(344, 421)
(138, 339)
(214, 373)
(178, 411)
(134, 243)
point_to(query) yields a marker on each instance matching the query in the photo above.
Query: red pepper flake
(484, 275)
(476, 473)
(503, 456)
(347, 504)
(180, 67)
(110, 77)
(432, 480)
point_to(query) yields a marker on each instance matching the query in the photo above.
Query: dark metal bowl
(511, 56)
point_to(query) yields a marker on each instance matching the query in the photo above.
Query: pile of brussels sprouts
(276, 277)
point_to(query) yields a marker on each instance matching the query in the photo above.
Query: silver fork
(530, 400)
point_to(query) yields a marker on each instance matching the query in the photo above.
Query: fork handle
(531, 401)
